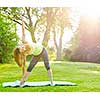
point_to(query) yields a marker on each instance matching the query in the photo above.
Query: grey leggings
(35, 59)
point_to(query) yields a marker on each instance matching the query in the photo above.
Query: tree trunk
(46, 35)
(59, 49)
(59, 46)
(48, 27)
(30, 28)
(0, 59)
(59, 57)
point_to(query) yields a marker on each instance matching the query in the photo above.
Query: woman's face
(25, 49)
(22, 48)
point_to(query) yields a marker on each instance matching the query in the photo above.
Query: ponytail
(18, 57)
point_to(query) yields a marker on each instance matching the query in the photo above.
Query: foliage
(66, 54)
(88, 40)
(36, 20)
(41, 21)
(61, 21)
(8, 39)
(51, 53)
(17, 13)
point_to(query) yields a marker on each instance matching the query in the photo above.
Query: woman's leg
(33, 62)
(29, 69)
(47, 65)
(50, 76)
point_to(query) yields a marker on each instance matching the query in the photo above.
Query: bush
(8, 39)
(66, 54)
(51, 53)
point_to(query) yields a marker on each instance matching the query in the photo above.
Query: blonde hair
(18, 56)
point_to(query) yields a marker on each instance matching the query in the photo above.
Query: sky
(66, 37)
(91, 8)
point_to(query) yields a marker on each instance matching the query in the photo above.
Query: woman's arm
(24, 78)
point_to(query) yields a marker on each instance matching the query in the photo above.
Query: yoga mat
(42, 83)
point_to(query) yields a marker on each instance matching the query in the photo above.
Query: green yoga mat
(42, 83)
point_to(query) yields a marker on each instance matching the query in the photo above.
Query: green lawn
(85, 75)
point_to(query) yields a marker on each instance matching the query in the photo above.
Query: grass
(85, 75)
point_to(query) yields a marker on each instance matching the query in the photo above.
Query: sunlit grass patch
(85, 75)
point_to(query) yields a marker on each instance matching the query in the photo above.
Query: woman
(38, 52)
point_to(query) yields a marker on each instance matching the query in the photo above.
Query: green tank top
(36, 49)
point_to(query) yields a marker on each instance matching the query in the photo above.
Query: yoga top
(36, 49)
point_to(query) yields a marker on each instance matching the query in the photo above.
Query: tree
(49, 18)
(89, 40)
(16, 14)
(61, 21)
(8, 39)
(43, 17)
